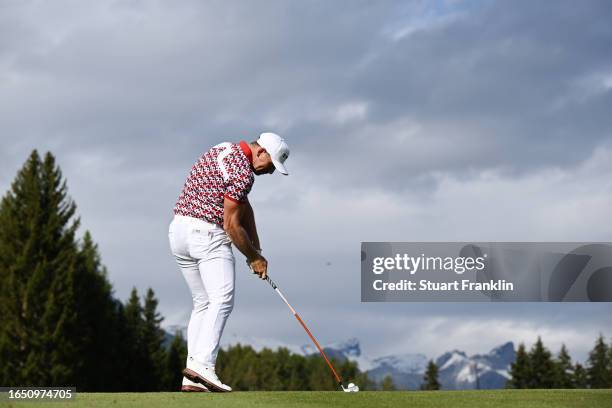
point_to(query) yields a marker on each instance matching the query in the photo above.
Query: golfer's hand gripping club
(259, 265)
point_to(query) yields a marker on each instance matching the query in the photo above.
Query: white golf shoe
(190, 386)
(205, 375)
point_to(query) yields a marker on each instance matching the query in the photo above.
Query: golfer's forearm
(240, 238)
(249, 225)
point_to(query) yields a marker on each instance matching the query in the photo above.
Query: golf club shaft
(299, 319)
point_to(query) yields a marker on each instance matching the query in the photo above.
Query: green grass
(412, 399)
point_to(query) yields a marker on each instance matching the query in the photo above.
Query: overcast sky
(407, 121)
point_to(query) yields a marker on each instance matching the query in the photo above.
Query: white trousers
(203, 252)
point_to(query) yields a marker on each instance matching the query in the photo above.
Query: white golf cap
(276, 148)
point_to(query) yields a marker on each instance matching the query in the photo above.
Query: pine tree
(138, 360)
(98, 314)
(387, 384)
(175, 362)
(580, 379)
(152, 340)
(123, 352)
(520, 370)
(430, 379)
(598, 365)
(564, 369)
(38, 323)
(542, 369)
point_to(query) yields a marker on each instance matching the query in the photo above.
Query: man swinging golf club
(211, 213)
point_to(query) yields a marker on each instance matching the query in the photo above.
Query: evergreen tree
(238, 366)
(101, 344)
(598, 365)
(542, 370)
(175, 362)
(285, 368)
(387, 384)
(138, 359)
(580, 379)
(267, 371)
(564, 370)
(152, 340)
(38, 323)
(520, 370)
(320, 377)
(297, 376)
(123, 355)
(430, 379)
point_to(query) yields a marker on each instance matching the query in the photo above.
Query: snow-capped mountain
(349, 348)
(456, 370)
(406, 370)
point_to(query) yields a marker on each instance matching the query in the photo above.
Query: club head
(350, 388)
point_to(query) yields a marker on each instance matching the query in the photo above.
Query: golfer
(212, 212)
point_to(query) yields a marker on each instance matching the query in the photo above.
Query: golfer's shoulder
(239, 162)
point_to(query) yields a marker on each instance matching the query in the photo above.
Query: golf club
(351, 387)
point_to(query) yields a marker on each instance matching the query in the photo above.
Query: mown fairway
(412, 399)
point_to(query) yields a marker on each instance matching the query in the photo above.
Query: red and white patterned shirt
(219, 173)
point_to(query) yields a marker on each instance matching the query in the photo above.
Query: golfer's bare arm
(232, 224)
(248, 221)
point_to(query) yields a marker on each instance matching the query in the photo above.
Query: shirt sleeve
(239, 185)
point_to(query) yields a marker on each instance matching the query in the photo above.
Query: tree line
(281, 370)
(538, 368)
